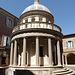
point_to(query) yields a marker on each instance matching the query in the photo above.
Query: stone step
(71, 74)
(62, 70)
(62, 73)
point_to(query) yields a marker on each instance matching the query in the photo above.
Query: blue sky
(62, 10)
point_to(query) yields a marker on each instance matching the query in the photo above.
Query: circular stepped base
(64, 71)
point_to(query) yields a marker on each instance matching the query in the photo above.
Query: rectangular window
(10, 22)
(69, 44)
(29, 19)
(6, 41)
(41, 51)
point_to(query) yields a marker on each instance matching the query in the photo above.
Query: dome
(36, 7)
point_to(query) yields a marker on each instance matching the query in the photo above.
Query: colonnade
(13, 52)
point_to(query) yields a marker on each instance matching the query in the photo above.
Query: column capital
(37, 36)
(58, 39)
(25, 37)
(49, 37)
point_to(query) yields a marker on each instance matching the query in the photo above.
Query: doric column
(58, 53)
(24, 52)
(50, 51)
(37, 51)
(11, 55)
(15, 53)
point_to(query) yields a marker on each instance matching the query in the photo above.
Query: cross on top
(36, 1)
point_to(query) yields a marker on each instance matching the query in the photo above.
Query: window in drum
(29, 19)
(43, 19)
(36, 19)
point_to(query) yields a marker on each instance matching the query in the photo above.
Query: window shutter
(12, 23)
(4, 40)
(8, 41)
(7, 21)
(72, 44)
(66, 44)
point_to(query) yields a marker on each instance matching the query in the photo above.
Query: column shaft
(50, 51)
(11, 55)
(58, 53)
(15, 53)
(37, 51)
(24, 52)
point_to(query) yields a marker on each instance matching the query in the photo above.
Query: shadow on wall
(23, 72)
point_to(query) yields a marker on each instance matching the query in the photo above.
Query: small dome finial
(36, 1)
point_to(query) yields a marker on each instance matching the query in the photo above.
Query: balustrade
(37, 25)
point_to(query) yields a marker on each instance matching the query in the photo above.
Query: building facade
(7, 22)
(36, 44)
(69, 49)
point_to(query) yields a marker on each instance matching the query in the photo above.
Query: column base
(10, 65)
(23, 66)
(59, 65)
(14, 65)
(35, 66)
